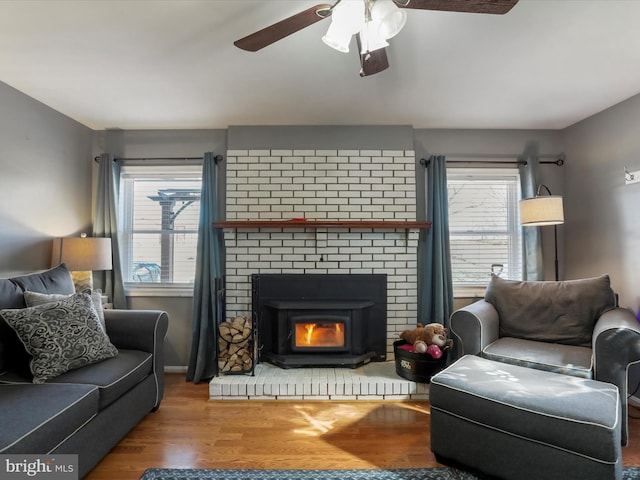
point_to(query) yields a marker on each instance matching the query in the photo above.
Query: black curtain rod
(217, 158)
(559, 160)
(157, 158)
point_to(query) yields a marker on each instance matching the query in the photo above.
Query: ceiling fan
(371, 21)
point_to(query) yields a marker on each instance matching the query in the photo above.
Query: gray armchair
(572, 327)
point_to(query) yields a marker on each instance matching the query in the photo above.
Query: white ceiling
(147, 64)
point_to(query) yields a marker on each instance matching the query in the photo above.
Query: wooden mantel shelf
(368, 224)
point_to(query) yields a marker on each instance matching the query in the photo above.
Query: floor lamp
(82, 255)
(541, 211)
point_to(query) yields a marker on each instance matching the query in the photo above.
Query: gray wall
(45, 181)
(160, 143)
(602, 214)
(374, 137)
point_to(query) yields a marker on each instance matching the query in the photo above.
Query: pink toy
(434, 351)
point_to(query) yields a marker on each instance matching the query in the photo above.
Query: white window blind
(484, 228)
(159, 212)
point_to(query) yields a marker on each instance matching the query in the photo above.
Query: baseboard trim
(175, 369)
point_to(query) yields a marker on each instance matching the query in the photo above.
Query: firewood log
(234, 345)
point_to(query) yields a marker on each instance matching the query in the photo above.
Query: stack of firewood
(234, 345)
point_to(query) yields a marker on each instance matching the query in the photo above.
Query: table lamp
(82, 255)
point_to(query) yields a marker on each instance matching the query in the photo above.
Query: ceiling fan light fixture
(392, 19)
(373, 22)
(349, 14)
(371, 37)
(347, 18)
(337, 38)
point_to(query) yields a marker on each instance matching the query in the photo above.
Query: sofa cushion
(35, 298)
(551, 357)
(11, 349)
(60, 336)
(561, 312)
(36, 418)
(54, 280)
(11, 295)
(114, 376)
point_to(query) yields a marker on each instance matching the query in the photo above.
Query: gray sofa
(572, 327)
(85, 410)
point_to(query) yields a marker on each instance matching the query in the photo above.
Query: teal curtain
(208, 294)
(435, 286)
(533, 265)
(105, 224)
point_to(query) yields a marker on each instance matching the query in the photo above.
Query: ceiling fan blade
(372, 62)
(498, 7)
(283, 28)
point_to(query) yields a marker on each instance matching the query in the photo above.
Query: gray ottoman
(520, 423)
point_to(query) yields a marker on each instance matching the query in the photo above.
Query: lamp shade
(82, 253)
(347, 18)
(371, 39)
(541, 211)
(390, 17)
(338, 37)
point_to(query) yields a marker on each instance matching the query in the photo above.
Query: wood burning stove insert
(320, 319)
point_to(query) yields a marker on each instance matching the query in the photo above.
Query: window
(159, 212)
(484, 228)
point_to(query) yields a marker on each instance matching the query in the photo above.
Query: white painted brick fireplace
(323, 185)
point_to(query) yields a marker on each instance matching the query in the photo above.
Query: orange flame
(319, 334)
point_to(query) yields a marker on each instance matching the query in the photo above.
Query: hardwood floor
(189, 431)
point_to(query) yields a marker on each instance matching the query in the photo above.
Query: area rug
(630, 473)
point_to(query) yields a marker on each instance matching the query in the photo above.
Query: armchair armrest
(474, 327)
(143, 330)
(616, 346)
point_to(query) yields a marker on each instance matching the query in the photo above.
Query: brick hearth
(374, 381)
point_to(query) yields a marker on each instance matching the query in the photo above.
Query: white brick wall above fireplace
(323, 185)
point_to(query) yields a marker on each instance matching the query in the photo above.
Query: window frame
(514, 230)
(191, 170)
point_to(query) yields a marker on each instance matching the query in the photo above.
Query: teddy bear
(430, 338)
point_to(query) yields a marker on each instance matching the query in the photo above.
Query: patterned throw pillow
(34, 298)
(60, 336)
